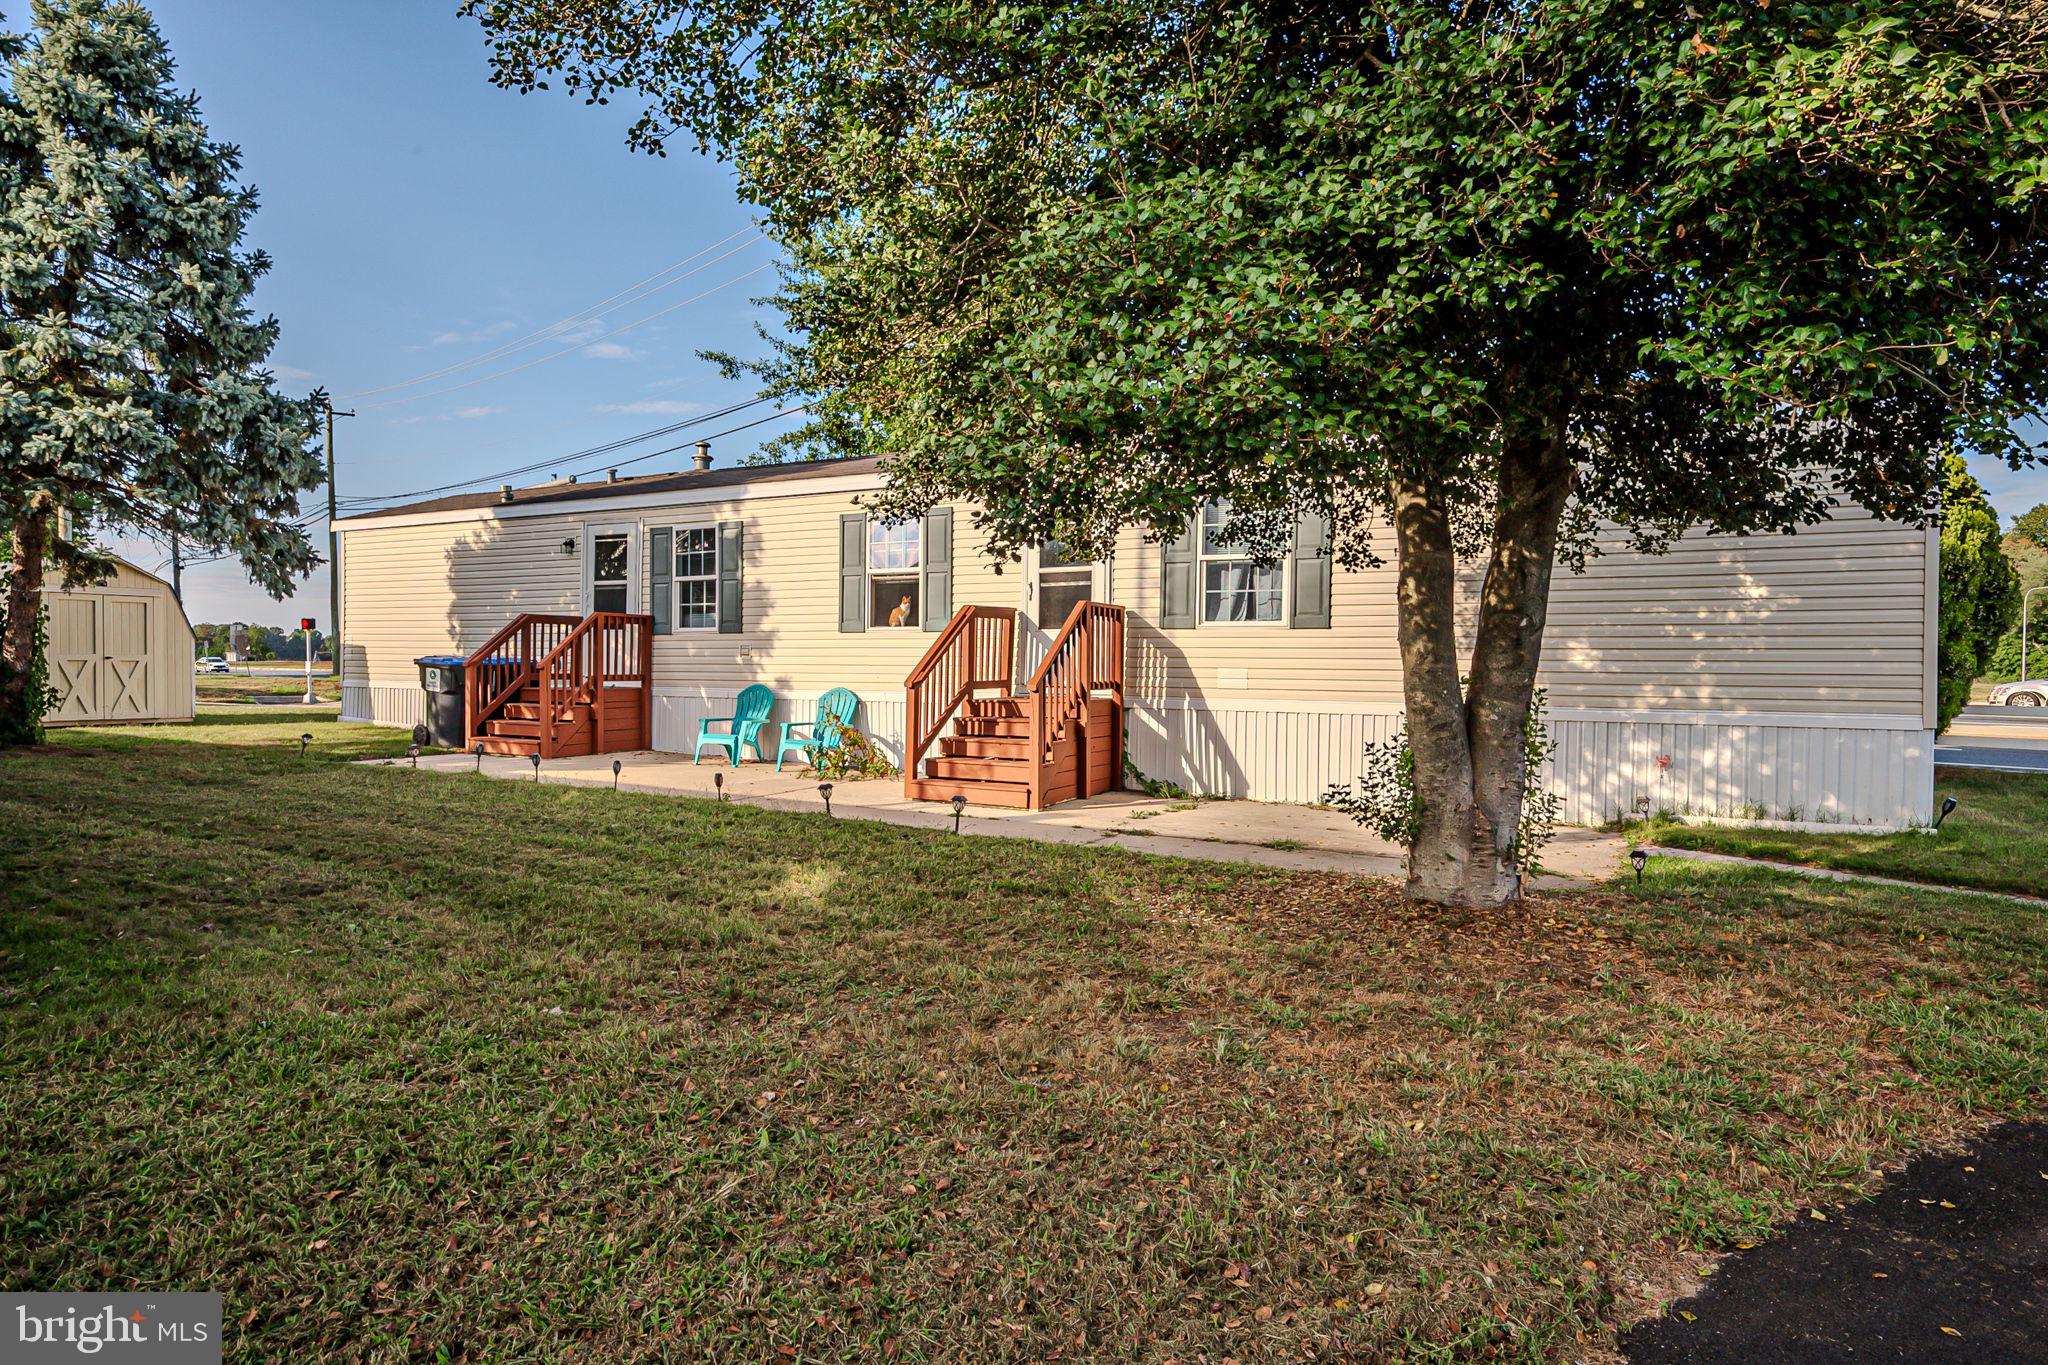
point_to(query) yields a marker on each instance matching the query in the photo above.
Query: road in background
(2011, 738)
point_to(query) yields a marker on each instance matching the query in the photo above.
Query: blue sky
(420, 218)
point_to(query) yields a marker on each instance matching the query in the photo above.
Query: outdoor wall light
(718, 781)
(825, 790)
(1637, 859)
(1948, 804)
(412, 751)
(569, 545)
(959, 806)
(479, 755)
(534, 758)
(616, 765)
(304, 740)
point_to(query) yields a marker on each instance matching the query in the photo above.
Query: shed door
(124, 658)
(75, 655)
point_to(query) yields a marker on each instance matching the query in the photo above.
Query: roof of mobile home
(564, 491)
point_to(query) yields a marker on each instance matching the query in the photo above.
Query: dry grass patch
(409, 1064)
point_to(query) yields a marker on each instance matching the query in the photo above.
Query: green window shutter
(661, 573)
(731, 595)
(853, 572)
(1311, 567)
(935, 553)
(1178, 594)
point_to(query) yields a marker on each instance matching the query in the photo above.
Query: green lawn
(1997, 840)
(216, 687)
(417, 1066)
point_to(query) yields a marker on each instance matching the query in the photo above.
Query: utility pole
(177, 570)
(333, 558)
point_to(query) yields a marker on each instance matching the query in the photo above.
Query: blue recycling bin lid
(445, 660)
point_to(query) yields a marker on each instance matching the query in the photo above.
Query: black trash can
(441, 680)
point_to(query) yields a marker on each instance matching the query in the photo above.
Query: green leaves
(133, 387)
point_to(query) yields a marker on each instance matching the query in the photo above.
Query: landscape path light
(1637, 859)
(1948, 805)
(304, 740)
(718, 781)
(825, 790)
(479, 755)
(616, 765)
(959, 806)
(412, 751)
(534, 758)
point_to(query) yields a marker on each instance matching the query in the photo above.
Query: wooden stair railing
(1087, 656)
(496, 673)
(975, 650)
(605, 646)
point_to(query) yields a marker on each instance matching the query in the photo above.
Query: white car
(2032, 692)
(210, 664)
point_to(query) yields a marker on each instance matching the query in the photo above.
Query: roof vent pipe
(611, 476)
(703, 459)
(504, 492)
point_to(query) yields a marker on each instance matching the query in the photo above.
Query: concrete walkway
(1302, 838)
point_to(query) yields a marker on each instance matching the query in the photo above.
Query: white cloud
(290, 373)
(460, 335)
(654, 407)
(477, 412)
(610, 350)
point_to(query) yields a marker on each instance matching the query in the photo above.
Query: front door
(611, 567)
(1053, 583)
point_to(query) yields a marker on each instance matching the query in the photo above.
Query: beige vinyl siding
(446, 587)
(1830, 620)
(790, 636)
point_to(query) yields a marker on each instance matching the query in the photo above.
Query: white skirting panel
(1873, 771)
(383, 703)
(677, 713)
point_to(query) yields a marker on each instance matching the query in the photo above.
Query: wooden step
(984, 746)
(995, 708)
(978, 769)
(518, 710)
(508, 744)
(1014, 794)
(986, 727)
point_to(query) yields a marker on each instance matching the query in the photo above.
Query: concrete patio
(1303, 838)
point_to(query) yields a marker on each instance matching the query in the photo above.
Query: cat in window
(901, 616)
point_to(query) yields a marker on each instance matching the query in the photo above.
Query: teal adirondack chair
(835, 713)
(742, 727)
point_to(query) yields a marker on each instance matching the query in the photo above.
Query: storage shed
(120, 652)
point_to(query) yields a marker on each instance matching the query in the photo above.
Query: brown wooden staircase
(559, 686)
(1058, 741)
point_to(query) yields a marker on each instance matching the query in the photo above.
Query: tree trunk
(1468, 742)
(24, 605)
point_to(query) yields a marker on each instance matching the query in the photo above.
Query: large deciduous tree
(1471, 277)
(133, 387)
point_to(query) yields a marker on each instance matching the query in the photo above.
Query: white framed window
(1235, 589)
(894, 558)
(696, 577)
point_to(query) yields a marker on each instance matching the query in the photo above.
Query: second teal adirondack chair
(835, 713)
(742, 727)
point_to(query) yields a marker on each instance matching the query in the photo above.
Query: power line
(716, 435)
(605, 305)
(557, 461)
(570, 350)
